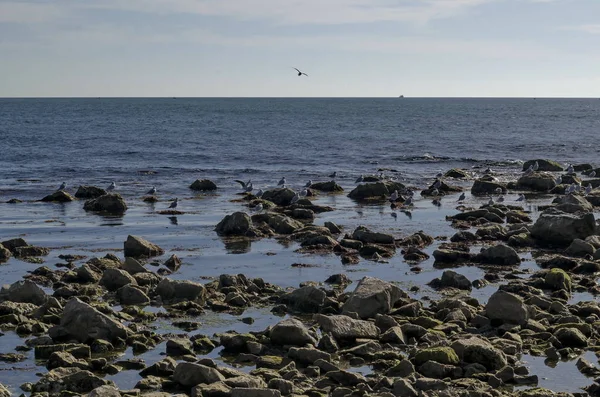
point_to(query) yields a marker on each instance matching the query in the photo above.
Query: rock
(291, 332)
(236, 224)
(485, 188)
(245, 381)
(173, 263)
(180, 290)
(330, 187)
(83, 382)
(455, 280)
(307, 299)
(105, 391)
(4, 254)
(285, 387)
(245, 392)
(84, 323)
(537, 181)
(164, 368)
(279, 196)
(110, 203)
(499, 255)
(14, 243)
(346, 328)
(571, 337)
(58, 197)
(113, 279)
(137, 247)
(558, 279)
(217, 389)
(132, 295)
(478, 351)
(373, 296)
(377, 190)
(89, 192)
(308, 356)
(133, 266)
(179, 347)
(403, 388)
(60, 359)
(366, 236)
(559, 228)
(543, 165)
(394, 335)
(203, 185)
(507, 307)
(433, 369)
(280, 224)
(573, 203)
(456, 173)
(442, 256)
(333, 228)
(443, 355)
(190, 375)
(43, 352)
(25, 291)
(580, 248)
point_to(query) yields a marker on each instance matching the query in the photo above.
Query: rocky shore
(451, 345)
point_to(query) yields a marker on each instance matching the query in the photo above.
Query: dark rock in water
(543, 165)
(137, 247)
(507, 307)
(537, 181)
(58, 197)
(83, 323)
(203, 185)
(280, 224)
(451, 279)
(14, 201)
(366, 236)
(377, 190)
(30, 250)
(499, 255)
(451, 256)
(333, 228)
(330, 186)
(456, 173)
(25, 291)
(111, 203)
(89, 192)
(583, 167)
(413, 254)
(113, 279)
(14, 243)
(484, 188)
(4, 254)
(279, 196)
(236, 224)
(173, 263)
(554, 227)
(338, 279)
(150, 199)
(373, 296)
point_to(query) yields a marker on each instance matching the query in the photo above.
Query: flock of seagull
(403, 201)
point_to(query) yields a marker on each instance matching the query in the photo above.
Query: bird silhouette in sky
(301, 73)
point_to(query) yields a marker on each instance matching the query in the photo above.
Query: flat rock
(373, 296)
(344, 327)
(180, 290)
(329, 187)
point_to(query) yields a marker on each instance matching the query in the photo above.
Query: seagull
(301, 73)
(558, 180)
(491, 202)
(592, 174)
(394, 196)
(332, 176)
(435, 192)
(295, 198)
(462, 196)
(498, 190)
(308, 184)
(437, 202)
(570, 169)
(407, 213)
(394, 215)
(259, 193)
(112, 186)
(439, 175)
(258, 207)
(63, 186)
(501, 199)
(536, 166)
(303, 193)
(174, 203)
(569, 189)
(529, 171)
(152, 191)
(488, 171)
(360, 179)
(244, 184)
(408, 202)
(248, 187)
(588, 189)
(281, 182)
(521, 197)
(437, 184)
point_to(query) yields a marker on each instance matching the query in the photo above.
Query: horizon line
(294, 97)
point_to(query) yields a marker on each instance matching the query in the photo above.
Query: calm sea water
(168, 143)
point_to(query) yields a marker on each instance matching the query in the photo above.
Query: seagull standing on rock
(281, 182)
(394, 196)
(259, 193)
(112, 186)
(536, 166)
(152, 191)
(462, 197)
(332, 176)
(63, 186)
(592, 174)
(308, 184)
(360, 179)
(521, 197)
(174, 203)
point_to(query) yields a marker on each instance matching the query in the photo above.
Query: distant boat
(401, 96)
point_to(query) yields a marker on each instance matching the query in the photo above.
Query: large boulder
(180, 290)
(113, 279)
(373, 296)
(25, 291)
(366, 236)
(84, 323)
(485, 188)
(452, 279)
(329, 187)
(203, 185)
(375, 191)
(543, 165)
(137, 247)
(308, 299)
(291, 332)
(442, 355)
(537, 181)
(111, 203)
(236, 224)
(499, 255)
(279, 196)
(558, 279)
(346, 328)
(507, 307)
(573, 203)
(89, 192)
(559, 228)
(58, 197)
(280, 224)
(478, 351)
(190, 375)
(132, 295)
(4, 254)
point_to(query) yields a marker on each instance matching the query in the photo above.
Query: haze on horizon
(349, 48)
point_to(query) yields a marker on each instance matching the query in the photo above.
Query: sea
(170, 142)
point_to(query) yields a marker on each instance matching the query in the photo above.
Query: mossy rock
(557, 279)
(442, 355)
(544, 165)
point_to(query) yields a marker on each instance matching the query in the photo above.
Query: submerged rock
(377, 190)
(89, 192)
(137, 247)
(330, 187)
(111, 203)
(203, 185)
(58, 197)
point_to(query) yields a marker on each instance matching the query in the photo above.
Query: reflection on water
(173, 220)
(237, 245)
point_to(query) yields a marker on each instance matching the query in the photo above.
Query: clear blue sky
(348, 47)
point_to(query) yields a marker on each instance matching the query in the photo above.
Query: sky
(349, 48)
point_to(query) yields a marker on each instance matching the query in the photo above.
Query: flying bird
(301, 73)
